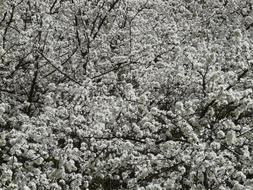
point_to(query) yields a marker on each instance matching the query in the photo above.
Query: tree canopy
(126, 94)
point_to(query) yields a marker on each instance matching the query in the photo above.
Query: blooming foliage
(126, 94)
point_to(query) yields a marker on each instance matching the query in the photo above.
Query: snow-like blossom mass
(126, 94)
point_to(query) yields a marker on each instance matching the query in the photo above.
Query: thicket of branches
(126, 94)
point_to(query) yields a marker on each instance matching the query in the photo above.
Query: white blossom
(127, 94)
(230, 137)
(215, 145)
(221, 134)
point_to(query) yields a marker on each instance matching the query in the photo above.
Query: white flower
(246, 153)
(48, 100)
(30, 154)
(32, 185)
(182, 169)
(2, 109)
(179, 106)
(187, 129)
(230, 137)
(37, 172)
(153, 187)
(62, 111)
(131, 182)
(55, 186)
(240, 176)
(2, 51)
(193, 138)
(124, 175)
(155, 85)
(52, 86)
(222, 188)
(13, 141)
(26, 188)
(154, 111)
(136, 128)
(12, 186)
(238, 186)
(118, 134)
(143, 98)
(70, 166)
(86, 184)
(215, 145)
(7, 175)
(79, 119)
(211, 155)
(220, 134)
(238, 33)
(39, 161)
(2, 141)
(2, 121)
(170, 184)
(249, 20)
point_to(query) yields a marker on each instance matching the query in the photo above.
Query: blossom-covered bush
(124, 94)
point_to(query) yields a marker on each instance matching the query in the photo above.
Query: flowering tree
(124, 94)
